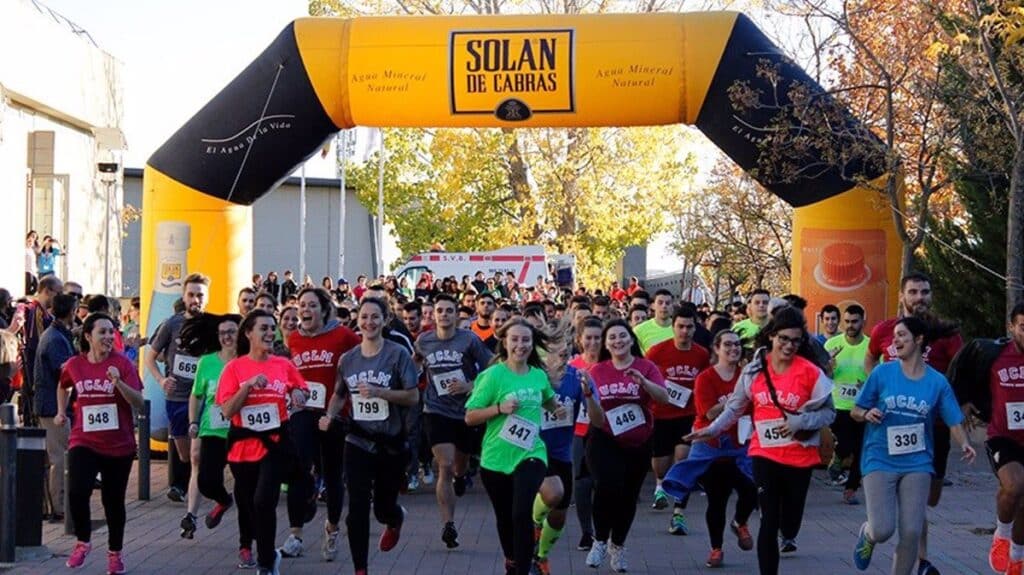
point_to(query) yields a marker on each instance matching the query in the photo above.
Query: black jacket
(968, 373)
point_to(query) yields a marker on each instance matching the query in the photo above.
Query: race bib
(442, 381)
(904, 439)
(625, 417)
(370, 408)
(678, 395)
(519, 432)
(1015, 415)
(744, 429)
(769, 433)
(551, 421)
(583, 416)
(848, 391)
(317, 395)
(217, 419)
(261, 417)
(185, 366)
(99, 417)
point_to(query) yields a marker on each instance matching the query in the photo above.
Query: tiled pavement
(960, 533)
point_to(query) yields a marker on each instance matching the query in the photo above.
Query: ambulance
(526, 262)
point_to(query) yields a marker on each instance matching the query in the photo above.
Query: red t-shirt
(317, 357)
(680, 369)
(583, 419)
(710, 390)
(282, 378)
(482, 332)
(1006, 381)
(793, 388)
(938, 354)
(626, 404)
(618, 294)
(103, 419)
(358, 291)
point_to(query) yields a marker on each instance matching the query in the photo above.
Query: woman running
(619, 441)
(102, 440)
(588, 340)
(899, 402)
(289, 324)
(555, 495)
(508, 397)
(720, 464)
(792, 401)
(253, 393)
(379, 379)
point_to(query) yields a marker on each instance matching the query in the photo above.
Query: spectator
(37, 319)
(271, 286)
(289, 288)
(47, 258)
(32, 250)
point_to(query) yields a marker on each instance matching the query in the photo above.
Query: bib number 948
(99, 418)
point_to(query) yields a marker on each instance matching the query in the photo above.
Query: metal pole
(69, 526)
(106, 243)
(8, 482)
(380, 207)
(144, 455)
(342, 160)
(302, 222)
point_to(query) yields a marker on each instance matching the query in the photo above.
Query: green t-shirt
(207, 375)
(747, 330)
(650, 334)
(510, 439)
(849, 372)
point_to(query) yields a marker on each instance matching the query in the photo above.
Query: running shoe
(459, 485)
(428, 475)
(787, 546)
(78, 555)
(660, 499)
(999, 554)
(586, 542)
(115, 563)
(743, 537)
(176, 495)
(329, 544)
(188, 526)
(540, 566)
(835, 469)
(216, 514)
(925, 567)
(389, 538)
(245, 559)
(862, 552)
(715, 559)
(596, 556)
(850, 497)
(277, 563)
(1015, 568)
(292, 547)
(414, 484)
(618, 558)
(677, 526)
(450, 536)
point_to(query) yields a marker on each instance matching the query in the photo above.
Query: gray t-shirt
(392, 368)
(179, 365)
(459, 358)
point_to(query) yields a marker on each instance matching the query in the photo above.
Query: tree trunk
(519, 184)
(1014, 229)
(907, 265)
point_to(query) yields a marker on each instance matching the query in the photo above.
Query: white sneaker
(277, 560)
(618, 558)
(329, 545)
(596, 556)
(292, 547)
(428, 475)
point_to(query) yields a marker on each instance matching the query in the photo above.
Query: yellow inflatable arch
(321, 75)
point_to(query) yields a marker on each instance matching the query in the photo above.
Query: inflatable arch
(322, 74)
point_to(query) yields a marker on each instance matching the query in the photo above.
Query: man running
(758, 316)
(658, 328)
(246, 301)
(452, 358)
(829, 316)
(482, 325)
(848, 351)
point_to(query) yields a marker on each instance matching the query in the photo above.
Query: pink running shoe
(78, 555)
(115, 563)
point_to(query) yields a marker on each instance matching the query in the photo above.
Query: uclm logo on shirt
(316, 356)
(1011, 374)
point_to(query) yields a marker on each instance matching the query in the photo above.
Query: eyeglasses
(730, 344)
(784, 339)
(226, 333)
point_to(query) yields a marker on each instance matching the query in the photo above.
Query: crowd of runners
(552, 400)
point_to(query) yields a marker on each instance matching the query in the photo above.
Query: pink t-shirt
(103, 419)
(282, 377)
(626, 404)
(583, 420)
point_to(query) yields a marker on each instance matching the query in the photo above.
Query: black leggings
(618, 474)
(584, 485)
(781, 494)
(213, 458)
(83, 465)
(312, 444)
(512, 498)
(257, 489)
(373, 477)
(849, 435)
(719, 481)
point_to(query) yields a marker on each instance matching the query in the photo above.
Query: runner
(288, 324)
(588, 340)
(757, 308)
(378, 377)
(848, 351)
(483, 326)
(555, 495)
(619, 441)
(508, 397)
(106, 387)
(452, 359)
(899, 402)
(252, 393)
(720, 464)
(317, 347)
(792, 401)
(246, 300)
(658, 328)
(680, 360)
(829, 323)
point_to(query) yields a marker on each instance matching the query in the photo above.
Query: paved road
(960, 528)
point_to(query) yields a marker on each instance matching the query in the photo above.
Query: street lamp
(108, 175)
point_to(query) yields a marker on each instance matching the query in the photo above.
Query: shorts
(1003, 450)
(177, 418)
(441, 429)
(668, 433)
(563, 471)
(940, 439)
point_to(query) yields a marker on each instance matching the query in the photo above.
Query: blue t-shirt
(557, 434)
(903, 442)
